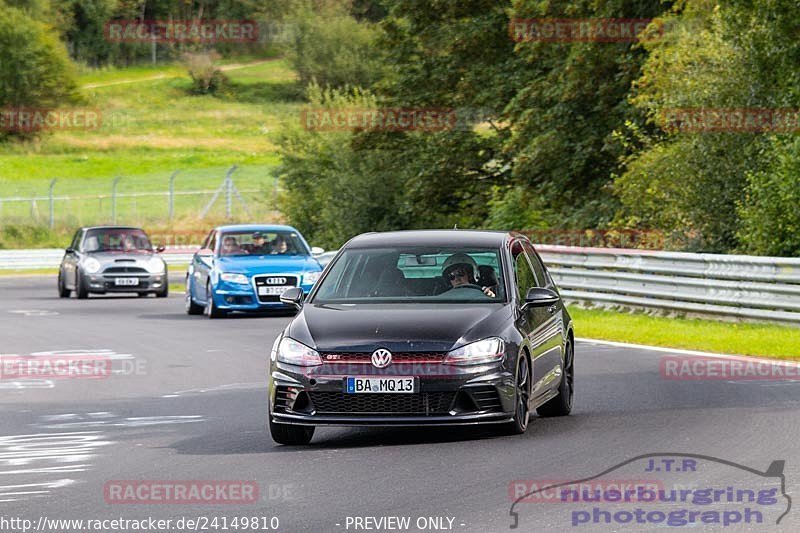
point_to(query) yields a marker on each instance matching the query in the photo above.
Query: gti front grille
(399, 357)
(426, 403)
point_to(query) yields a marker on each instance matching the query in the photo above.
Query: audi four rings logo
(381, 358)
(276, 281)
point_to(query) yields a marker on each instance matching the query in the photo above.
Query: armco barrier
(749, 287)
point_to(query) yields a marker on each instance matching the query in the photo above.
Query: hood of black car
(397, 327)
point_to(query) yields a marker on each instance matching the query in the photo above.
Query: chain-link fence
(237, 194)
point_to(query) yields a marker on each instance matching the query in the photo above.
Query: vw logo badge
(381, 358)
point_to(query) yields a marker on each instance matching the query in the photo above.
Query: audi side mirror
(293, 296)
(316, 250)
(205, 252)
(541, 297)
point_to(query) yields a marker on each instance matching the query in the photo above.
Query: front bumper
(445, 395)
(104, 283)
(234, 297)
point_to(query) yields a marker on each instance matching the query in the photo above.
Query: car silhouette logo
(276, 281)
(381, 358)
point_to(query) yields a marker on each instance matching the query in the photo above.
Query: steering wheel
(470, 286)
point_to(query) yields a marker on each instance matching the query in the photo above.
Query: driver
(230, 246)
(460, 271)
(260, 246)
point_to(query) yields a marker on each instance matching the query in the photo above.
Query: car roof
(254, 227)
(111, 227)
(456, 237)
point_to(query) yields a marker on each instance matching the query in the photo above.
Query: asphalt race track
(187, 399)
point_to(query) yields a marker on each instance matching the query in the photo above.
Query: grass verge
(766, 340)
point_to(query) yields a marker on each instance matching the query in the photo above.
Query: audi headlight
(241, 279)
(296, 353)
(311, 277)
(480, 352)
(91, 265)
(155, 265)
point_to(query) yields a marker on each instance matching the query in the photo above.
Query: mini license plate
(359, 385)
(127, 282)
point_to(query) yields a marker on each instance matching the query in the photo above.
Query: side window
(525, 278)
(538, 268)
(212, 241)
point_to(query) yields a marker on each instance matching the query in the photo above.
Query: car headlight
(91, 265)
(483, 351)
(296, 353)
(311, 277)
(155, 265)
(241, 279)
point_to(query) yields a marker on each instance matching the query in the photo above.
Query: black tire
(81, 292)
(290, 434)
(191, 307)
(211, 310)
(63, 292)
(561, 405)
(519, 424)
(164, 292)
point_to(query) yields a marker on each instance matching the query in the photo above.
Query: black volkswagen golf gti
(416, 328)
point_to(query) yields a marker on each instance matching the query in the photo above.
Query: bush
(207, 78)
(35, 70)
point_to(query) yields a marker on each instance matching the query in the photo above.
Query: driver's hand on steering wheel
(488, 292)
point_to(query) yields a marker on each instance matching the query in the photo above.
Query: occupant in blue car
(460, 271)
(260, 246)
(230, 246)
(279, 245)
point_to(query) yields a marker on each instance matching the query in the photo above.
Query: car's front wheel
(522, 398)
(290, 434)
(211, 310)
(81, 292)
(561, 405)
(63, 292)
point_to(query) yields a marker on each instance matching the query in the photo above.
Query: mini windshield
(116, 240)
(261, 243)
(441, 275)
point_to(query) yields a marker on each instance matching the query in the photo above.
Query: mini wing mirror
(293, 296)
(316, 250)
(160, 248)
(541, 297)
(70, 250)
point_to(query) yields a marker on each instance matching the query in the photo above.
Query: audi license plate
(127, 282)
(273, 291)
(355, 385)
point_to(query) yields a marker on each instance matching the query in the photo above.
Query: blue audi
(247, 268)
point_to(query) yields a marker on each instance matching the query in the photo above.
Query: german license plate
(273, 291)
(359, 385)
(126, 282)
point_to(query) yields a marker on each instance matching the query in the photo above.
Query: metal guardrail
(749, 287)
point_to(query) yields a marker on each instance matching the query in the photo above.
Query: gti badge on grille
(381, 358)
(276, 281)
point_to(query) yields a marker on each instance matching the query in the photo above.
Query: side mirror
(293, 296)
(70, 250)
(540, 297)
(160, 248)
(205, 252)
(316, 250)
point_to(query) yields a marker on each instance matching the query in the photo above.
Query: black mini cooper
(417, 328)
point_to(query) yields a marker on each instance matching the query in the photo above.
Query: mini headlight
(91, 265)
(241, 279)
(311, 277)
(155, 265)
(483, 351)
(296, 353)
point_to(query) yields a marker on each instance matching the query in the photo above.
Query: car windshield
(254, 242)
(116, 240)
(441, 275)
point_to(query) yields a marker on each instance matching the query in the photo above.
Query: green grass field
(767, 340)
(151, 127)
